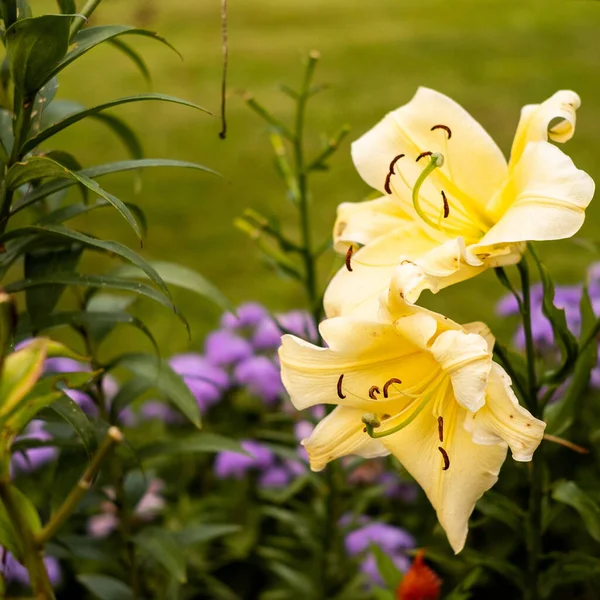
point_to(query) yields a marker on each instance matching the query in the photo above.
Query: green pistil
(372, 422)
(436, 160)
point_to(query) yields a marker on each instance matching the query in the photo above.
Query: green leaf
(83, 319)
(109, 247)
(128, 393)
(134, 56)
(92, 281)
(561, 414)
(106, 169)
(205, 532)
(162, 546)
(160, 375)
(35, 47)
(192, 444)
(182, 277)
(499, 565)
(78, 116)
(37, 167)
(558, 320)
(503, 509)
(569, 493)
(8, 537)
(106, 588)
(38, 265)
(568, 569)
(463, 590)
(90, 37)
(389, 572)
(72, 414)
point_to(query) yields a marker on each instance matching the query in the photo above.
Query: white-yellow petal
(545, 199)
(472, 469)
(411, 129)
(341, 433)
(363, 222)
(357, 292)
(465, 357)
(554, 118)
(484, 331)
(504, 419)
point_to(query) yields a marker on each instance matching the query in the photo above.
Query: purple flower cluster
(271, 470)
(13, 570)
(567, 298)
(394, 541)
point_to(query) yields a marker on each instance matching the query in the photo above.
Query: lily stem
(534, 513)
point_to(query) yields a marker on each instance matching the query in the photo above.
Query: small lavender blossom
(275, 477)
(224, 348)
(205, 380)
(13, 570)
(266, 336)
(247, 315)
(300, 323)
(155, 409)
(236, 465)
(261, 377)
(31, 459)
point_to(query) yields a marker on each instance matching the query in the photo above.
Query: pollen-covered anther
(422, 155)
(444, 127)
(386, 185)
(446, 459)
(446, 205)
(371, 420)
(349, 253)
(373, 391)
(388, 383)
(441, 428)
(339, 387)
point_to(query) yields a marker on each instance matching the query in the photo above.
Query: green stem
(113, 436)
(33, 556)
(82, 16)
(534, 513)
(303, 199)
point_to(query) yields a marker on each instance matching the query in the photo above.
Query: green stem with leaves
(83, 15)
(534, 513)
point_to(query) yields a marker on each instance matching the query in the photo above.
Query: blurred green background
(492, 57)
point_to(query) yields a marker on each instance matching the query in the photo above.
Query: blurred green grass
(492, 57)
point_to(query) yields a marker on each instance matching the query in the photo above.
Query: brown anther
(339, 387)
(386, 185)
(374, 390)
(387, 385)
(446, 205)
(446, 459)
(349, 253)
(441, 428)
(444, 127)
(385, 417)
(422, 155)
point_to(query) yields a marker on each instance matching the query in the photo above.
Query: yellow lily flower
(453, 206)
(421, 387)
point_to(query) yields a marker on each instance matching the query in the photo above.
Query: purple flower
(368, 566)
(206, 381)
(233, 464)
(300, 323)
(13, 570)
(396, 488)
(33, 458)
(155, 409)
(247, 315)
(102, 525)
(274, 477)
(389, 538)
(267, 335)
(223, 347)
(261, 377)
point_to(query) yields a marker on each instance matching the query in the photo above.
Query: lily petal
(472, 469)
(483, 330)
(411, 130)
(466, 358)
(545, 199)
(358, 291)
(504, 419)
(339, 434)
(536, 120)
(363, 222)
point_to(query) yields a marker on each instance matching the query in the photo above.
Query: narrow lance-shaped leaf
(569, 493)
(162, 546)
(560, 415)
(37, 167)
(110, 247)
(71, 412)
(35, 47)
(90, 37)
(137, 60)
(106, 169)
(78, 116)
